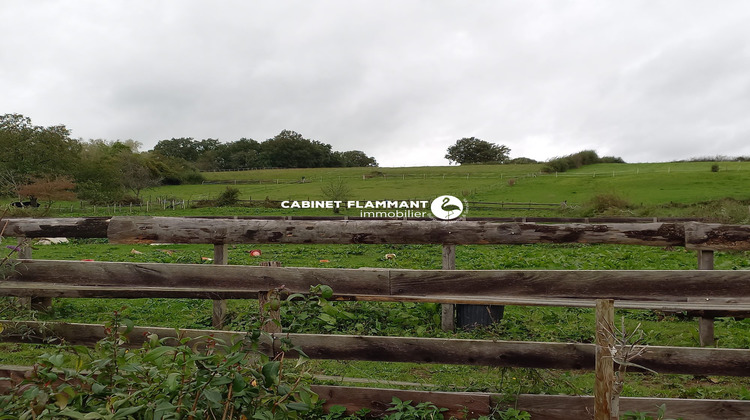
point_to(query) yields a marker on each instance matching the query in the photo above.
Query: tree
(336, 190)
(473, 150)
(136, 175)
(243, 153)
(31, 151)
(289, 149)
(185, 148)
(49, 190)
(355, 158)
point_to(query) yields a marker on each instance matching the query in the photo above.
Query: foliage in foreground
(204, 378)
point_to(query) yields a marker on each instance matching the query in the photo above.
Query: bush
(577, 160)
(522, 161)
(160, 380)
(602, 203)
(229, 197)
(715, 168)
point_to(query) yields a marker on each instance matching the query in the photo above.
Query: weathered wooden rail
(692, 235)
(708, 292)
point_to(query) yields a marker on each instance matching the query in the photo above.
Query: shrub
(215, 379)
(522, 161)
(601, 203)
(229, 197)
(715, 168)
(577, 160)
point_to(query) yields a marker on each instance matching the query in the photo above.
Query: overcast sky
(400, 80)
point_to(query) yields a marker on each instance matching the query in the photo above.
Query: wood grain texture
(74, 227)
(719, 287)
(718, 237)
(180, 230)
(199, 277)
(570, 284)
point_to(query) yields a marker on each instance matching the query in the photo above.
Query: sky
(645, 80)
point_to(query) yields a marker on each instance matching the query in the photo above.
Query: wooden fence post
(221, 257)
(705, 323)
(35, 303)
(274, 326)
(448, 319)
(604, 364)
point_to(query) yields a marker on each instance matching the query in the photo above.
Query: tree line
(46, 164)
(287, 149)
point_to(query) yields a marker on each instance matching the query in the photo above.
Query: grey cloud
(402, 81)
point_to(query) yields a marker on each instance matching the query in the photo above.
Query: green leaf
(263, 414)
(156, 353)
(62, 399)
(326, 292)
(172, 383)
(72, 414)
(57, 360)
(270, 372)
(125, 412)
(129, 325)
(298, 406)
(327, 319)
(212, 395)
(98, 388)
(221, 380)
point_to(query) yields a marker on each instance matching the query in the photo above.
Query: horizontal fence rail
(693, 235)
(710, 288)
(526, 354)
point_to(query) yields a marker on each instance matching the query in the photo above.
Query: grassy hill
(659, 189)
(641, 189)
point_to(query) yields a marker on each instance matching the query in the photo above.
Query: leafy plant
(404, 410)
(638, 415)
(512, 414)
(167, 378)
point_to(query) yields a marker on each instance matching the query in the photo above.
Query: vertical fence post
(35, 303)
(448, 319)
(24, 252)
(705, 323)
(221, 257)
(604, 365)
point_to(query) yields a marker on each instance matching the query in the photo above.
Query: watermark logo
(447, 207)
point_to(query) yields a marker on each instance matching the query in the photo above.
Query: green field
(687, 189)
(647, 183)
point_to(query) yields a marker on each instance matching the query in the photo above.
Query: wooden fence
(710, 293)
